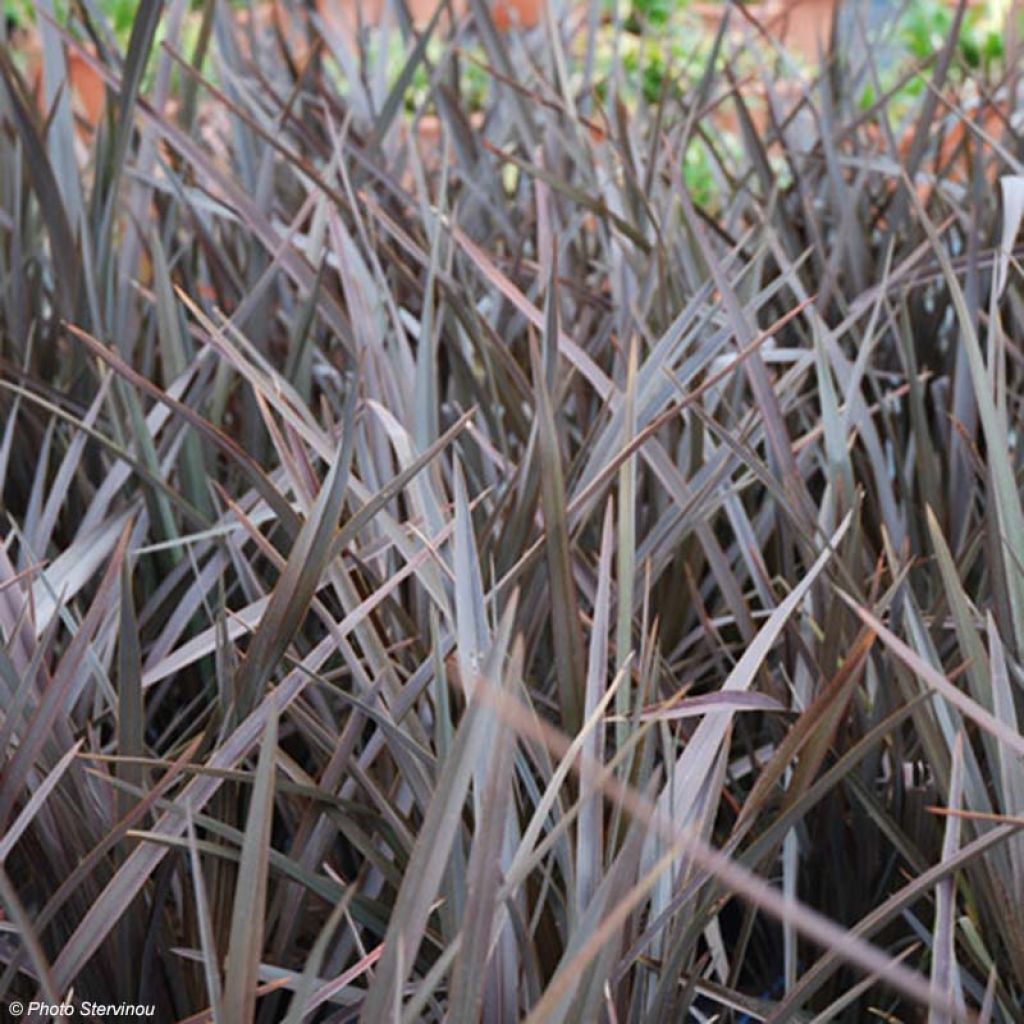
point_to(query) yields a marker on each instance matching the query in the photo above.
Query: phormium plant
(459, 563)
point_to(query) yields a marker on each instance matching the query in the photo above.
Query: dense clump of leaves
(454, 567)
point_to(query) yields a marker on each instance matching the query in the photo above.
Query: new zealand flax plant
(499, 579)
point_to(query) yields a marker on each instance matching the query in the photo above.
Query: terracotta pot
(805, 26)
(344, 16)
(509, 14)
(88, 91)
(802, 26)
(85, 87)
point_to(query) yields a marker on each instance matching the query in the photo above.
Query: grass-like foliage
(454, 568)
